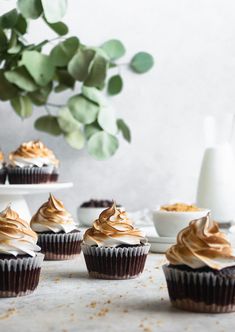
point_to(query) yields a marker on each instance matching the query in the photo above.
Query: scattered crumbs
(108, 302)
(103, 312)
(91, 317)
(92, 304)
(64, 330)
(162, 286)
(147, 329)
(187, 328)
(162, 298)
(125, 310)
(120, 295)
(70, 275)
(217, 322)
(159, 322)
(141, 325)
(57, 279)
(10, 312)
(72, 314)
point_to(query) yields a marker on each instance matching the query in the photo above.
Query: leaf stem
(54, 105)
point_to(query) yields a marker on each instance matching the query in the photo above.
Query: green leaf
(107, 120)
(23, 106)
(13, 46)
(67, 122)
(39, 66)
(30, 9)
(40, 96)
(91, 129)
(8, 20)
(54, 10)
(7, 90)
(97, 74)
(48, 124)
(20, 77)
(60, 28)
(65, 78)
(21, 25)
(125, 130)
(75, 139)
(114, 49)
(64, 51)
(142, 62)
(3, 40)
(79, 65)
(94, 95)
(102, 145)
(115, 85)
(82, 109)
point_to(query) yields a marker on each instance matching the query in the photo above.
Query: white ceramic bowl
(87, 215)
(169, 223)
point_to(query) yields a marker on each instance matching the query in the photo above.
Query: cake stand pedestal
(16, 195)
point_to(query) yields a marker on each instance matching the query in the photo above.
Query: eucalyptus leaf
(21, 25)
(54, 10)
(9, 19)
(60, 28)
(39, 66)
(79, 65)
(75, 139)
(91, 129)
(7, 90)
(64, 51)
(64, 78)
(82, 109)
(102, 145)
(22, 106)
(20, 77)
(30, 8)
(115, 85)
(67, 122)
(98, 72)
(48, 124)
(107, 120)
(40, 96)
(94, 95)
(114, 49)
(125, 130)
(3, 40)
(142, 62)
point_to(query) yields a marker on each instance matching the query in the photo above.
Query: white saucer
(160, 244)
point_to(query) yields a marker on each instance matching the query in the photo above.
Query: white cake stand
(16, 195)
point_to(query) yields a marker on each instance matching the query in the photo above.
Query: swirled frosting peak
(33, 153)
(113, 228)
(16, 236)
(202, 244)
(52, 217)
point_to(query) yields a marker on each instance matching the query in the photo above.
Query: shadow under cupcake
(20, 260)
(201, 273)
(113, 248)
(58, 235)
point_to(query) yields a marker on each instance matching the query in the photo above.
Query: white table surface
(67, 300)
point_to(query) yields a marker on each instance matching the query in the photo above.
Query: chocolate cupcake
(113, 248)
(3, 169)
(32, 163)
(20, 262)
(201, 273)
(58, 235)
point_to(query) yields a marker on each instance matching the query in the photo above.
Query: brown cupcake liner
(3, 175)
(60, 246)
(19, 276)
(31, 175)
(200, 291)
(115, 263)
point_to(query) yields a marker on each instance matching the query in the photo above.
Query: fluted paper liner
(200, 291)
(32, 175)
(115, 263)
(19, 276)
(3, 175)
(62, 246)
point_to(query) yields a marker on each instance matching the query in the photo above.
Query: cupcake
(89, 210)
(58, 235)
(3, 170)
(201, 271)
(113, 248)
(32, 163)
(20, 262)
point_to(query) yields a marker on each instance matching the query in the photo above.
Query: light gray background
(193, 43)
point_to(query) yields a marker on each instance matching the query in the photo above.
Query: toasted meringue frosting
(202, 244)
(113, 228)
(16, 236)
(53, 217)
(1, 159)
(33, 153)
